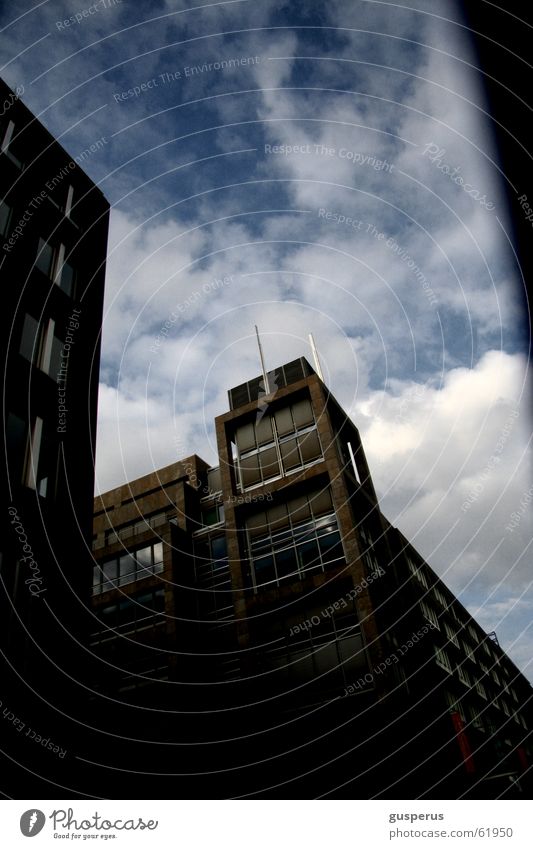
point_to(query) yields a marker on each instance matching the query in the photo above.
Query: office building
(291, 642)
(54, 224)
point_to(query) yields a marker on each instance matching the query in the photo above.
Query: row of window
(277, 444)
(335, 662)
(290, 554)
(290, 514)
(131, 614)
(11, 147)
(443, 660)
(477, 717)
(452, 635)
(133, 529)
(128, 567)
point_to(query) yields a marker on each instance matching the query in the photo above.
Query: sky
(309, 168)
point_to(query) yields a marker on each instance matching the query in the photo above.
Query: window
(213, 515)
(450, 633)
(213, 578)
(45, 257)
(9, 147)
(481, 689)
(475, 717)
(505, 707)
(64, 272)
(440, 597)
(495, 676)
(442, 659)
(141, 526)
(277, 445)
(36, 475)
(5, 216)
(329, 656)
(417, 572)
(68, 202)
(473, 633)
(40, 346)
(469, 650)
(214, 481)
(463, 675)
(292, 538)
(128, 567)
(430, 614)
(52, 263)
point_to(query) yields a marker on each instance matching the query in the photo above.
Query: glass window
(7, 146)
(66, 278)
(290, 454)
(257, 524)
(46, 347)
(284, 424)
(309, 555)
(158, 552)
(144, 557)
(303, 414)
(218, 547)
(29, 342)
(64, 272)
(245, 438)
(214, 481)
(263, 431)
(286, 563)
(45, 257)
(250, 470)
(309, 446)
(210, 516)
(268, 460)
(331, 547)
(33, 457)
(68, 202)
(5, 215)
(278, 517)
(299, 510)
(109, 576)
(321, 503)
(264, 569)
(127, 569)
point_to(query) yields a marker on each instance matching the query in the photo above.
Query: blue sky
(252, 133)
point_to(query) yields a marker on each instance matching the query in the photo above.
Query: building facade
(54, 224)
(292, 642)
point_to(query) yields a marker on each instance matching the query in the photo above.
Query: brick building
(292, 642)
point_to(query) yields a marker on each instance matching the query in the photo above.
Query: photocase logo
(265, 398)
(32, 822)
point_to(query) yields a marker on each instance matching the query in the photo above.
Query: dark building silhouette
(287, 639)
(54, 224)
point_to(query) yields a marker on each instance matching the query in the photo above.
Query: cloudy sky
(309, 167)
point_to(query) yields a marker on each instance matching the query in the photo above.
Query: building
(290, 641)
(54, 224)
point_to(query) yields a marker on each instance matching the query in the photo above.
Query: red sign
(462, 739)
